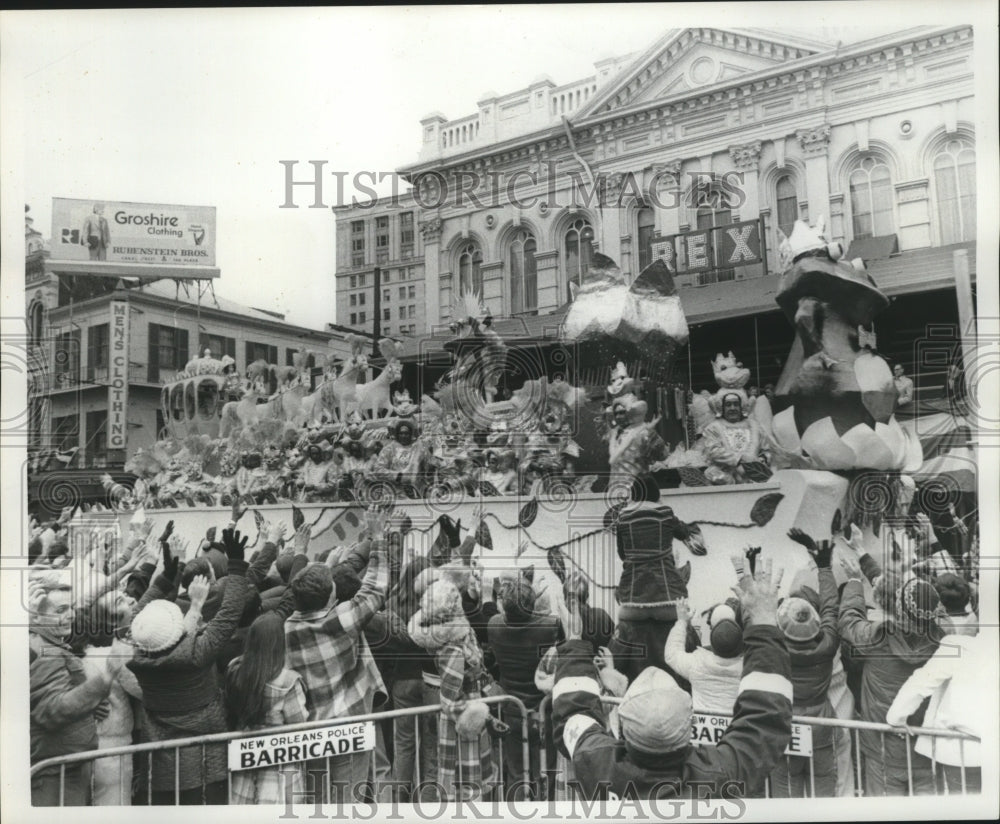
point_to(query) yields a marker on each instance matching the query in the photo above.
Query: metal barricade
(941, 779)
(314, 796)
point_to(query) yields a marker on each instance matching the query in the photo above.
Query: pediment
(690, 59)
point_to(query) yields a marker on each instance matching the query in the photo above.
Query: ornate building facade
(704, 149)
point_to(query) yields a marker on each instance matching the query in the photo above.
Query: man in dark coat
(655, 757)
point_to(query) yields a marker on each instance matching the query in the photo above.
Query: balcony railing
(97, 376)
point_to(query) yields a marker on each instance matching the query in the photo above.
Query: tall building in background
(384, 235)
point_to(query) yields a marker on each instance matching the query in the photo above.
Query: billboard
(143, 233)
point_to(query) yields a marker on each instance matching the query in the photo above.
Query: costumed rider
(252, 483)
(403, 461)
(633, 444)
(732, 441)
(319, 473)
(651, 583)
(498, 472)
(357, 460)
(654, 757)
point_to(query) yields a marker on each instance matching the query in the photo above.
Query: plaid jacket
(328, 648)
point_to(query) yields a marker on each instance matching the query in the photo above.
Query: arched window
(786, 203)
(645, 229)
(713, 208)
(579, 250)
(470, 275)
(36, 323)
(871, 198)
(523, 273)
(955, 190)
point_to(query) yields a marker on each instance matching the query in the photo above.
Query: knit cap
(726, 636)
(218, 561)
(158, 627)
(798, 619)
(655, 713)
(917, 602)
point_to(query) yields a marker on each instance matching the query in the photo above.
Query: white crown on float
(807, 240)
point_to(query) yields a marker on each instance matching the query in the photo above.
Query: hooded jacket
(737, 765)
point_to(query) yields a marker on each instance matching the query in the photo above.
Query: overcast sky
(197, 107)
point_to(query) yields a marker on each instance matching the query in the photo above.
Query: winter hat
(655, 713)
(917, 603)
(158, 627)
(726, 637)
(284, 566)
(138, 582)
(798, 619)
(954, 592)
(219, 562)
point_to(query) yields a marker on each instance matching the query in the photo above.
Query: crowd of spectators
(136, 643)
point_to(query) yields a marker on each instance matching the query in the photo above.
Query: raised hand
(171, 563)
(167, 532)
(179, 546)
(822, 553)
(275, 532)
(238, 511)
(302, 537)
(234, 544)
(198, 591)
(851, 567)
(759, 594)
(739, 561)
(36, 595)
(856, 540)
(800, 537)
(683, 610)
(376, 521)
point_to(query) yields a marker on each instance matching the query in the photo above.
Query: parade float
(825, 452)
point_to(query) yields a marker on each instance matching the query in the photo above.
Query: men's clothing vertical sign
(118, 376)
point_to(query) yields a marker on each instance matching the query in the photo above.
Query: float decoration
(833, 406)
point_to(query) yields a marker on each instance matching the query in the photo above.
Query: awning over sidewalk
(920, 270)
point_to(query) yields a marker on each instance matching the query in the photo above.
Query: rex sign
(120, 232)
(702, 250)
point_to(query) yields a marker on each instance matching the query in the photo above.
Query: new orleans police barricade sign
(708, 729)
(290, 747)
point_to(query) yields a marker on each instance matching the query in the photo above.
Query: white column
(814, 143)
(431, 232)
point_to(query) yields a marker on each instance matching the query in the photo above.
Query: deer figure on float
(373, 397)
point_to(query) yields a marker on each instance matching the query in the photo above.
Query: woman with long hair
(261, 692)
